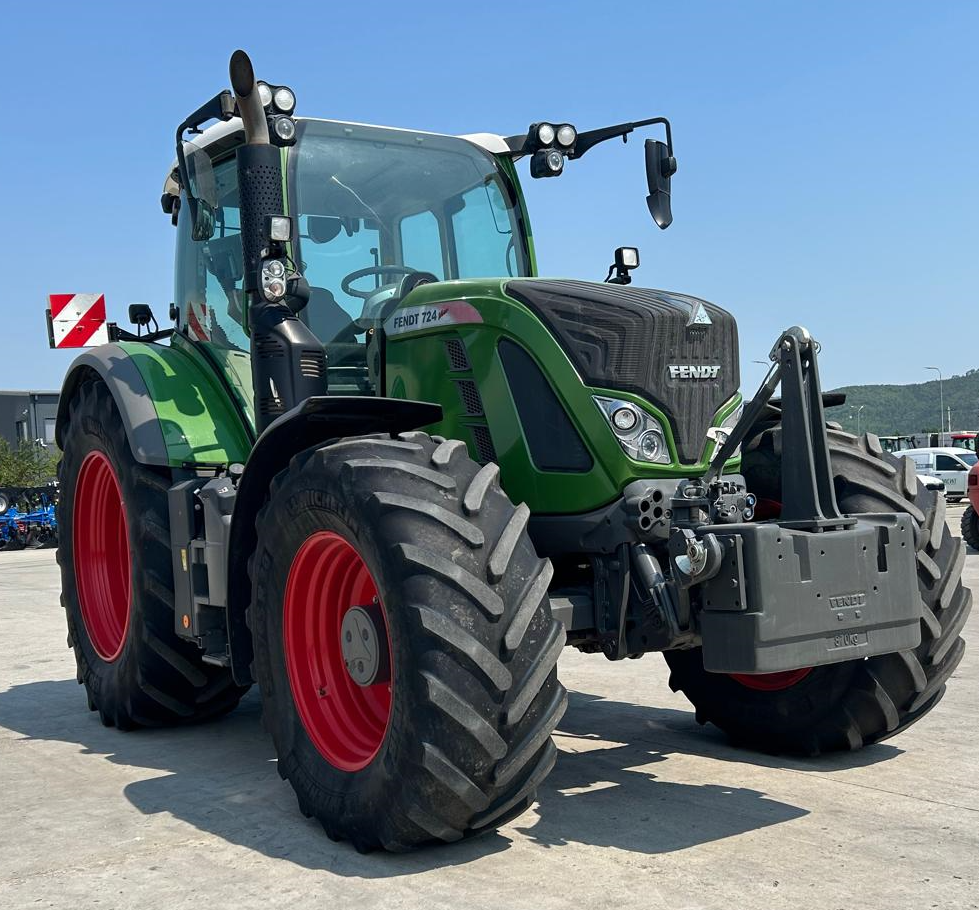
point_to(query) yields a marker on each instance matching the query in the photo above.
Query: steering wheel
(371, 270)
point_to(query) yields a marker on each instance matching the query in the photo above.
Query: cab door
(953, 471)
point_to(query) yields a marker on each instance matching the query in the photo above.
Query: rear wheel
(852, 704)
(116, 578)
(403, 642)
(969, 527)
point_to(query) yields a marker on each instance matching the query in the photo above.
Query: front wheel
(852, 704)
(404, 645)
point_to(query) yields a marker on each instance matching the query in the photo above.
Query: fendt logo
(692, 371)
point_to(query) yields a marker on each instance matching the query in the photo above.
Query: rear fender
(175, 410)
(316, 420)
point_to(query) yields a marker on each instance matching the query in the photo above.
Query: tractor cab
(376, 212)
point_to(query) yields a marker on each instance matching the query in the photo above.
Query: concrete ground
(644, 807)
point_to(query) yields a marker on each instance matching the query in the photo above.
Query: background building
(28, 415)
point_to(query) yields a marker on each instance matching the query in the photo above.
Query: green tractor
(386, 473)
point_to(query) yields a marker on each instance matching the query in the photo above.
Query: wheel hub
(363, 643)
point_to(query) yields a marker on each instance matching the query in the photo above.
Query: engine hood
(678, 352)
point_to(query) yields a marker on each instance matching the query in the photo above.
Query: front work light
(627, 257)
(264, 94)
(284, 99)
(284, 128)
(566, 135)
(546, 163)
(545, 134)
(279, 228)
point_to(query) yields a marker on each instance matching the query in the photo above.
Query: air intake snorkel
(284, 349)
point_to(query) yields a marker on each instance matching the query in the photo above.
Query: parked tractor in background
(387, 473)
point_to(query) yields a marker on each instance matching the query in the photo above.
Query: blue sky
(827, 152)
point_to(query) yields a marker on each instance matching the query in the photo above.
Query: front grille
(626, 339)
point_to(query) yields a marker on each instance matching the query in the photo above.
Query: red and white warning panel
(77, 320)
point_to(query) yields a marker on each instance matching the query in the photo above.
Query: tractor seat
(330, 322)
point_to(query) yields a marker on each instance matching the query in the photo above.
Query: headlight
(264, 94)
(640, 434)
(566, 135)
(545, 134)
(624, 419)
(284, 100)
(719, 435)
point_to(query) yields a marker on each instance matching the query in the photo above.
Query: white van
(951, 465)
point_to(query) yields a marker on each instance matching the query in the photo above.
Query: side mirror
(660, 167)
(202, 218)
(140, 314)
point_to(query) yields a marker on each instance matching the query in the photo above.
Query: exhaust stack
(288, 361)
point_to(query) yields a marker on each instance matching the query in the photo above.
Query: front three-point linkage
(808, 500)
(808, 496)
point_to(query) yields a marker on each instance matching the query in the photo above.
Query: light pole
(858, 417)
(941, 404)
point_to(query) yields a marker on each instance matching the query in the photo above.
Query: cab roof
(228, 130)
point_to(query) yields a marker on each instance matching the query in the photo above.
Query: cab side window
(421, 244)
(209, 273)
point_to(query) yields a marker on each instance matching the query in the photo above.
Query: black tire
(969, 527)
(474, 648)
(853, 704)
(4, 502)
(158, 678)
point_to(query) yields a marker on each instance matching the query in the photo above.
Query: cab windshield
(385, 203)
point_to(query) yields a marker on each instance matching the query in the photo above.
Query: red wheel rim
(100, 540)
(770, 682)
(346, 722)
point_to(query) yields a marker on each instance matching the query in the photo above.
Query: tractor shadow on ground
(220, 778)
(606, 789)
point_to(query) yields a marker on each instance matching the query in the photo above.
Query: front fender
(316, 420)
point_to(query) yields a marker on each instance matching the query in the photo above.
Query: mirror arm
(591, 138)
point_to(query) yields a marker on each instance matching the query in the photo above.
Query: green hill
(891, 410)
